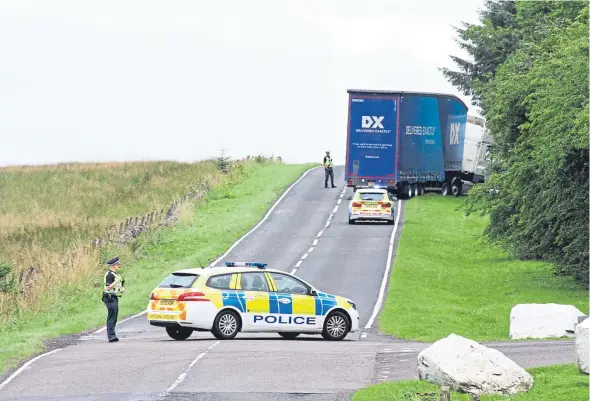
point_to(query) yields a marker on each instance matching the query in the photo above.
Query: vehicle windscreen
(179, 280)
(372, 196)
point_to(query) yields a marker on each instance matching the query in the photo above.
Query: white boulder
(467, 366)
(582, 345)
(543, 321)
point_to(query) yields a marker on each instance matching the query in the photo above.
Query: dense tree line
(529, 75)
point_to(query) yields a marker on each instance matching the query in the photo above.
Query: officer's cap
(113, 261)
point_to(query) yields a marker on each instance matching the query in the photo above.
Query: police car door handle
(284, 300)
(248, 297)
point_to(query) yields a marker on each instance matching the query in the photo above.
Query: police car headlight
(352, 304)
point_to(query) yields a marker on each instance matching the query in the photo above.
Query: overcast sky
(141, 80)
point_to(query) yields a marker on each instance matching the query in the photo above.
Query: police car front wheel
(336, 326)
(226, 325)
(179, 332)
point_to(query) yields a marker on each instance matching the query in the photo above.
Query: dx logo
(454, 137)
(372, 122)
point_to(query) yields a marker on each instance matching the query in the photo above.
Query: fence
(133, 226)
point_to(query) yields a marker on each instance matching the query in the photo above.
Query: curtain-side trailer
(407, 142)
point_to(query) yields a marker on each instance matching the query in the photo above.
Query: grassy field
(203, 232)
(50, 214)
(553, 383)
(448, 279)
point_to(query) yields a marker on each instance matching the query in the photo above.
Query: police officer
(328, 168)
(113, 289)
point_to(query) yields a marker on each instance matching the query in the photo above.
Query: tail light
(192, 296)
(153, 297)
(386, 205)
(350, 180)
(356, 204)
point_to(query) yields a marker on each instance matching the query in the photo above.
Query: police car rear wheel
(336, 326)
(226, 325)
(289, 336)
(179, 333)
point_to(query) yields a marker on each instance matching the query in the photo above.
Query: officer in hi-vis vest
(328, 164)
(113, 289)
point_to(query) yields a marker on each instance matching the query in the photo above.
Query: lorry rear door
(372, 133)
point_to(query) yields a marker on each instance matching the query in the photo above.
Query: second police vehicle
(247, 297)
(371, 203)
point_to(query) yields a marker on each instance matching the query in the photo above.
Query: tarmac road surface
(346, 260)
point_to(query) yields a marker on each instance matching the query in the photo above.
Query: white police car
(247, 297)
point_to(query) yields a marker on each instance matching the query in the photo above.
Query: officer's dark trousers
(112, 304)
(329, 173)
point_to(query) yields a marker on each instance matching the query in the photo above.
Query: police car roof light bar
(246, 264)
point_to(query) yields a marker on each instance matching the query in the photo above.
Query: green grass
(203, 232)
(448, 279)
(553, 383)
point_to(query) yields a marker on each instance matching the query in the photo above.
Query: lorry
(407, 142)
(476, 153)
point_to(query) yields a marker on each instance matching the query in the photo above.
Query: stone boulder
(543, 321)
(582, 345)
(467, 366)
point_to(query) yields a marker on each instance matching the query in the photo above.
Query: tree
(535, 99)
(488, 44)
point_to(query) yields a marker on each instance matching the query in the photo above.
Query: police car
(247, 297)
(371, 203)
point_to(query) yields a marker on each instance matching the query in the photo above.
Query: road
(305, 232)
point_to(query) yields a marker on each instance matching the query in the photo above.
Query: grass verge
(553, 383)
(202, 233)
(448, 279)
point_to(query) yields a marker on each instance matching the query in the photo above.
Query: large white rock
(582, 345)
(543, 321)
(467, 366)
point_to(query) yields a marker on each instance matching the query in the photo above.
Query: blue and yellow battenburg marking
(284, 304)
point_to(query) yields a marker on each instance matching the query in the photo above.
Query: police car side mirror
(313, 292)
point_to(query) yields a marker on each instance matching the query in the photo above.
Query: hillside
(51, 216)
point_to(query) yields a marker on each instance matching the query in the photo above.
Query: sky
(180, 80)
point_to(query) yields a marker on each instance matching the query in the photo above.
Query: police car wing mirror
(313, 292)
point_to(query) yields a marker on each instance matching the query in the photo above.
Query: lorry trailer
(407, 142)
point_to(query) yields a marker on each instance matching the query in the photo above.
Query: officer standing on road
(113, 289)
(328, 168)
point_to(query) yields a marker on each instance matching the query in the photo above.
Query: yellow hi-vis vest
(116, 290)
(329, 162)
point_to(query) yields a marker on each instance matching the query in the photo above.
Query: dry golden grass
(50, 214)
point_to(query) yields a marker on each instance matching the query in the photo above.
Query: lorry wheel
(445, 189)
(456, 187)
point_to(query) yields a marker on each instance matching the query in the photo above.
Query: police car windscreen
(179, 280)
(372, 196)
